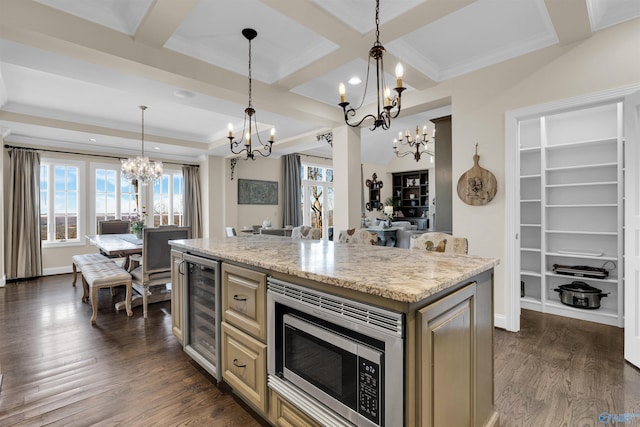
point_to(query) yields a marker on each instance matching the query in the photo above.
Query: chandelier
(249, 116)
(417, 146)
(385, 103)
(140, 168)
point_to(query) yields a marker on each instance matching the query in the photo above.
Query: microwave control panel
(369, 390)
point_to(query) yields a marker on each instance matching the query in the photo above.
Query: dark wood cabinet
(411, 193)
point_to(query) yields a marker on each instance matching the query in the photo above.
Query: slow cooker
(580, 294)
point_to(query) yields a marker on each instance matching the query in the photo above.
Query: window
(317, 197)
(60, 199)
(168, 197)
(115, 197)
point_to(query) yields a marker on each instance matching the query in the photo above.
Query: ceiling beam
(162, 20)
(39, 26)
(8, 116)
(570, 19)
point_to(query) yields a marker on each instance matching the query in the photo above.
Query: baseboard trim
(500, 321)
(56, 270)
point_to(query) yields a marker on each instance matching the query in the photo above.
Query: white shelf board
(584, 143)
(600, 258)
(594, 233)
(590, 166)
(582, 184)
(530, 273)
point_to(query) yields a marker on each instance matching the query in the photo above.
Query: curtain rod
(88, 154)
(317, 157)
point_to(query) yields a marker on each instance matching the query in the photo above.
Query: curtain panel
(292, 190)
(23, 246)
(192, 200)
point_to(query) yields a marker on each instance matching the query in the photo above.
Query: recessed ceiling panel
(213, 33)
(605, 13)
(360, 14)
(119, 15)
(484, 33)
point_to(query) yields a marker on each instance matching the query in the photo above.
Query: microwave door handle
(321, 333)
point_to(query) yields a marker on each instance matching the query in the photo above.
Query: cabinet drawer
(244, 366)
(244, 299)
(284, 414)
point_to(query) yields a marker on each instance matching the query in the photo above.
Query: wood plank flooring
(559, 371)
(60, 371)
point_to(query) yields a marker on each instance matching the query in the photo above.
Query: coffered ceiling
(73, 72)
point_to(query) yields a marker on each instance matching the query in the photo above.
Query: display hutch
(411, 194)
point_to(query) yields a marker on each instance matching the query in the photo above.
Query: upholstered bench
(104, 275)
(80, 261)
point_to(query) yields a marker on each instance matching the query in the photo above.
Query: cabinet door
(177, 297)
(447, 370)
(244, 299)
(244, 366)
(284, 414)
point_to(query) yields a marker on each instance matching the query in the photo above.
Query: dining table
(117, 245)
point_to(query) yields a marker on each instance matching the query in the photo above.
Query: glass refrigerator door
(203, 315)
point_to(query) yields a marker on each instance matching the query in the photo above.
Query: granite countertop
(402, 275)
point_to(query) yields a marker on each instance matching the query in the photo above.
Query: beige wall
(239, 216)
(609, 59)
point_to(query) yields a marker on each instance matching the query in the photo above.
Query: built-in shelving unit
(571, 207)
(411, 193)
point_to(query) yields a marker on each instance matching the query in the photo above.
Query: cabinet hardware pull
(239, 298)
(180, 270)
(235, 363)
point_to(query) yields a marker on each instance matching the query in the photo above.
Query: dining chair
(155, 270)
(440, 242)
(113, 226)
(360, 236)
(306, 232)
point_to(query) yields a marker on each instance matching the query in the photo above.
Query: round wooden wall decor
(477, 186)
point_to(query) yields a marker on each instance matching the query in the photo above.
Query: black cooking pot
(580, 294)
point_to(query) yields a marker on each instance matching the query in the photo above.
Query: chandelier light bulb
(399, 74)
(343, 92)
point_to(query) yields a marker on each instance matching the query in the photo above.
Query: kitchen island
(446, 302)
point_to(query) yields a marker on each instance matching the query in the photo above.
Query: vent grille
(381, 319)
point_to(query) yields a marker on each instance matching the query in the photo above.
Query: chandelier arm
(351, 112)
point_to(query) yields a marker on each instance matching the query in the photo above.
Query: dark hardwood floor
(60, 371)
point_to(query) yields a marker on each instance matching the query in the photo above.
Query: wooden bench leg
(75, 272)
(128, 300)
(94, 304)
(85, 290)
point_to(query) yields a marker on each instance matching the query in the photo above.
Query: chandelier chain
(250, 80)
(377, 22)
(142, 108)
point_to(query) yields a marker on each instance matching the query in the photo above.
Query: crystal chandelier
(417, 146)
(386, 104)
(249, 117)
(140, 168)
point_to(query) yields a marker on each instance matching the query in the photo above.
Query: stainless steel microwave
(341, 360)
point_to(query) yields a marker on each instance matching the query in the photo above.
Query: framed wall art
(256, 192)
